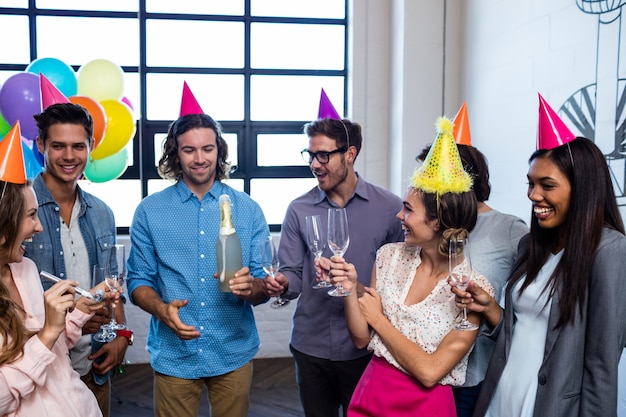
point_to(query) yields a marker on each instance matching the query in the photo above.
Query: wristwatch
(128, 334)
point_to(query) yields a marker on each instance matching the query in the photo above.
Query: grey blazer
(578, 375)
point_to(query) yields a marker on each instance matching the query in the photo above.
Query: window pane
(131, 92)
(293, 46)
(219, 95)
(91, 38)
(292, 98)
(217, 7)
(290, 146)
(22, 4)
(230, 138)
(333, 9)
(274, 204)
(223, 43)
(122, 196)
(15, 28)
(109, 5)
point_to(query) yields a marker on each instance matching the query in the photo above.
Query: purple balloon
(20, 99)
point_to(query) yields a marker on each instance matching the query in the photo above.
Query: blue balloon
(33, 167)
(58, 72)
(38, 155)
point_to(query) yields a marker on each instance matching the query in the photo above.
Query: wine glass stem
(464, 314)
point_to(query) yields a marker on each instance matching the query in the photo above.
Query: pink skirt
(385, 391)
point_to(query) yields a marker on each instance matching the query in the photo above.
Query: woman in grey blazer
(561, 334)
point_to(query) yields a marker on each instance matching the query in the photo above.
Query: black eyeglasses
(322, 157)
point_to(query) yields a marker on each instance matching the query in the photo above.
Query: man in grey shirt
(328, 366)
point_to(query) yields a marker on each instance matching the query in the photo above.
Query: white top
(77, 268)
(517, 389)
(425, 323)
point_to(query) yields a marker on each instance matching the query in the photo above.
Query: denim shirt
(96, 222)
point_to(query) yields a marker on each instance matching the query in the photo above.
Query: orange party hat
(12, 167)
(461, 132)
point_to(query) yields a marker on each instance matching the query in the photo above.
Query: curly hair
(169, 164)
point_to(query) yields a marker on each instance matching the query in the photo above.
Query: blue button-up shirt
(319, 324)
(173, 236)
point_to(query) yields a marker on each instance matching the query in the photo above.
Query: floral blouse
(425, 323)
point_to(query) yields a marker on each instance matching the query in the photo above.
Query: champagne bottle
(227, 247)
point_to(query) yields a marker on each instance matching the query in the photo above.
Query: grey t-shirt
(493, 249)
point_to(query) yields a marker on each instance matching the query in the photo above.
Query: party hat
(189, 104)
(49, 93)
(461, 132)
(442, 171)
(326, 109)
(551, 131)
(12, 168)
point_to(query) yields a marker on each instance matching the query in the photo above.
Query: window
(257, 66)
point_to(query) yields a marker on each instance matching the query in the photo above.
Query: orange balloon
(97, 113)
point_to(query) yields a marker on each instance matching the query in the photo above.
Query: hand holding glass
(114, 278)
(105, 333)
(461, 273)
(338, 241)
(270, 263)
(315, 237)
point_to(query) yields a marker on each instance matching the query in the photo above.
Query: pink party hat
(189, 104)
(49, 93)
(462, 135)
(326, 109)
(12, 167)
(551, 131)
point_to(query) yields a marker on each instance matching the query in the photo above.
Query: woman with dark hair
(408, 316)
(37, 329)
(560, 338)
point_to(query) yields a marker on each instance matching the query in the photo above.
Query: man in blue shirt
(78, 231)
(198, 335)
(328, 365)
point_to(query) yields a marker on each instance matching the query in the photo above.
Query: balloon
(4, 126)
(97, 113)
(107, 169)
(20, 99)
(120, 129)
(38, 155)
(58, 72)
(33, 167)
(101, 80)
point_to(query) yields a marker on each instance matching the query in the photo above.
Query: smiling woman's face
(550, 192)
(29, 225)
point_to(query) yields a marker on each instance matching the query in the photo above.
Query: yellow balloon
(100, 79)
(120, 129)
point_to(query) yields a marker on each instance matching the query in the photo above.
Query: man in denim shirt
(78, 230)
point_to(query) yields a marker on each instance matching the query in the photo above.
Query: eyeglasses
(322, 157)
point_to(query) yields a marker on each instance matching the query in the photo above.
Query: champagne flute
(315, 237)
(461, 273)
(105, 333)
(338, 241)
(115, 277)
(270, 263)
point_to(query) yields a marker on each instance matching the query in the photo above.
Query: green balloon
(107, 169)
(4, 126)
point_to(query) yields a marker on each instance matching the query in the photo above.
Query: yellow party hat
(442, 171)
